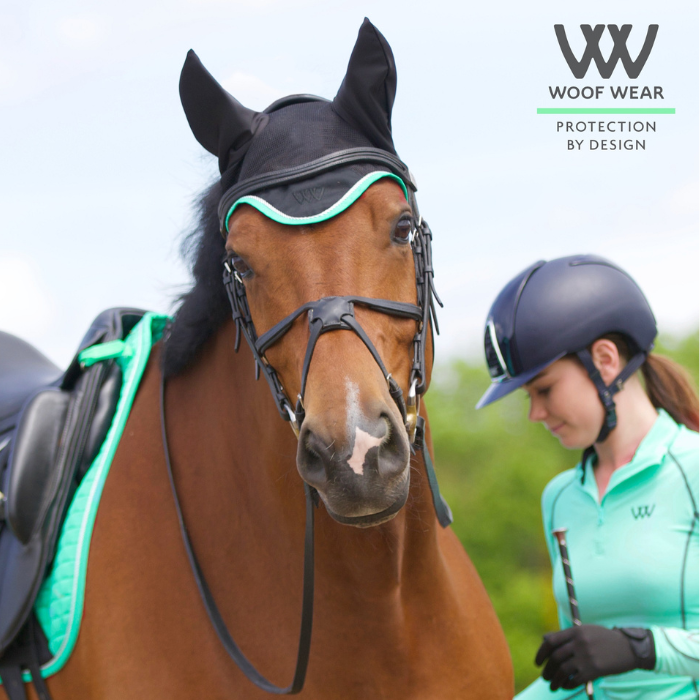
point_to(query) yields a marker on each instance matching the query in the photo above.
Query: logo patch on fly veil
(619, 51)
(310, 194)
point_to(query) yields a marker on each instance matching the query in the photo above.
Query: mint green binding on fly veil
(59, 606)
(351, 196)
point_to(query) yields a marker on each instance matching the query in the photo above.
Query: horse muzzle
(362, 476)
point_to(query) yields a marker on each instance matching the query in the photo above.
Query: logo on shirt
(643, 511)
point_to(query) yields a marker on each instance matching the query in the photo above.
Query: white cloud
(251, 90)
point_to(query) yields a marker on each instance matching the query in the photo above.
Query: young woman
(576, 333)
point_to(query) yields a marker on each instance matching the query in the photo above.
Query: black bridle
(326, 314)
(338, 313)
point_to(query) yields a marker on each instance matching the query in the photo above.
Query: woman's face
(565, 399)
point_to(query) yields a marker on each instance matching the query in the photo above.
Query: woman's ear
(607, 359)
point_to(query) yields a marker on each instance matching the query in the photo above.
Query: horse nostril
(393, 453)
(312, 456)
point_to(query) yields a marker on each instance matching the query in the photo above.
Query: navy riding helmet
(560, 307)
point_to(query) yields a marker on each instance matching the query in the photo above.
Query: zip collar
(650, 452)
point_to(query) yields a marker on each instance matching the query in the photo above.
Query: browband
(314, 167)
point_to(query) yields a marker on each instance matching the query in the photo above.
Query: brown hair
(667, 384)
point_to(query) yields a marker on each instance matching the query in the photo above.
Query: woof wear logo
(619, 52)
(309, 194)
(642, 511)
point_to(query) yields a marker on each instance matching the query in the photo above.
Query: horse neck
(234, 461)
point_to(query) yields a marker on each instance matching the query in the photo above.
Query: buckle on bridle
(412, 412)
(292, 420)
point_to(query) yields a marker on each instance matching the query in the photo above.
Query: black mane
(205, 307)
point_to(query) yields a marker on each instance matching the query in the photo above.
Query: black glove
(581, 654)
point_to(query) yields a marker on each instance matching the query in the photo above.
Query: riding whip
(560, 534)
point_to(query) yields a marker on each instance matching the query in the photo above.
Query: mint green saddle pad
(59, 606)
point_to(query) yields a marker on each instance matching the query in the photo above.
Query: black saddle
(52, 425)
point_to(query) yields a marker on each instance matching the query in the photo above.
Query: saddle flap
(32, 457)
(102, 418)
(19, 585)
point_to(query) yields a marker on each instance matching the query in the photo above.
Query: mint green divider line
(350, 197)
(133, 360)
(606, 110)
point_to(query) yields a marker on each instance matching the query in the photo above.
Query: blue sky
(98, 168)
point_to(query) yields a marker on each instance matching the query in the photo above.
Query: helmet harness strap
(605, 391)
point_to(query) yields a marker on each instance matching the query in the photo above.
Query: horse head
(322, 234)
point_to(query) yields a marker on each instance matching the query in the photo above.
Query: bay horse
(400, 611)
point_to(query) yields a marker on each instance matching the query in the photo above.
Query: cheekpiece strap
(244, 324)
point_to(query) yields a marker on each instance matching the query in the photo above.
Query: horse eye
(239, 265)
(402, 233)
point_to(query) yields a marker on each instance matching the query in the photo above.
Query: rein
(307, 606)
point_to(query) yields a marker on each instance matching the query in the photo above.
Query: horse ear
(218, 121)
(366, 95)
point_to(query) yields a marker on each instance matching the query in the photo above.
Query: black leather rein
(307, 607)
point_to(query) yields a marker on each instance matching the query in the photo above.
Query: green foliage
(493, 466)
(683, 350)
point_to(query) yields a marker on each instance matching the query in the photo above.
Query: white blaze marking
(352, 404)
(363, 443)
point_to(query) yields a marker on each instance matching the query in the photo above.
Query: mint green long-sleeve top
(634, 560)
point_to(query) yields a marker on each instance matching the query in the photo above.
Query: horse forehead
(385, 198)
(380, 203)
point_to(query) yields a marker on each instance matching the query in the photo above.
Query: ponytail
(669, 387)
(667, 384)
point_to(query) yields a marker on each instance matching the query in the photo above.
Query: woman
(572, 333)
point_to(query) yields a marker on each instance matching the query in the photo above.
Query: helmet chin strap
(607, 391)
